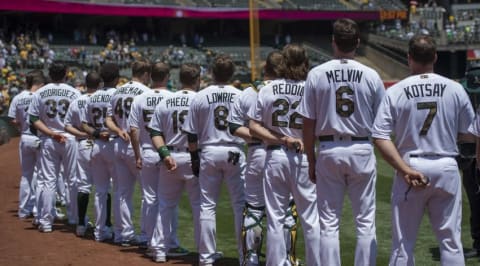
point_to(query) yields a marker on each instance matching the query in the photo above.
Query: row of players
(341, 103)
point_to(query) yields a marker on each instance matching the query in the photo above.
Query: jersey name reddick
(344, 75)
(220, 97)
(178, 101)
(288, 88)
(425, 90)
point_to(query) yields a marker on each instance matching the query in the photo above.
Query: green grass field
(426, 252)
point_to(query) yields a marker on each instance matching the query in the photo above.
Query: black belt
(332, 138)
(177, 149)
(253, 144)
(274, 147)
(430, 155)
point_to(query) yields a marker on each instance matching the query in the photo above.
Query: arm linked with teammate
(113, 127)
(270, 137)
(134, 138)
(309, 142)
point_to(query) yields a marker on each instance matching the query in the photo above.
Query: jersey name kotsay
(178, 101)
(220, 97)
(58, 92)
(424, 90)
(129, 90)
(288, 88)
(154, 101)
(100, 98)
(344, 75)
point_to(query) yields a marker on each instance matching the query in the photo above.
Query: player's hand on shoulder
(170, 163)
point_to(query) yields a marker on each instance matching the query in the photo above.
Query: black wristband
(194, 155)
(96, 133)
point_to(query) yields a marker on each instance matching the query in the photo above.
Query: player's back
(121, 102)
(346, 97)
(97, 106)
(172, 112)
(51, 102)
(19, 110)
(209, 112)
(429, 111)
(76, 111)
(276, 107)
(142, 109)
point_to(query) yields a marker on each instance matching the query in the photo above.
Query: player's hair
(34, 77)
(109, 72)
(160, 71)
(140, 66)
(57, 71)
(296, 62)
(274, 65)
(422, 49)
(93, 80)
(346, 35)
(189, 74)
(223, 68)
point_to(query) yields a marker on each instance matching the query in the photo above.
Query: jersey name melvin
(344, 75)
(424, 90)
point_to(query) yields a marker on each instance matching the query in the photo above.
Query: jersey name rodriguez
(58, 92)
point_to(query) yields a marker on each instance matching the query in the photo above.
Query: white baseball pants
(84, 166)
(29, 151)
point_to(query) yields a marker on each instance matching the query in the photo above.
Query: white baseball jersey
(141, 113)
(342, 96)
(208, 115)
(276, 107)
(121, 102)
(96, 109)
(76, 111)
(51, 102)
(18, 110)
(426, 112)
(475, 126)
(170, 116)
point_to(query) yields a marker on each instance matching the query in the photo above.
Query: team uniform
(221, 158)
(255, 202)
(84, 147)
(425, 113)
(343, 97)
(286, 171)
(50, 104)
(28, 148)
(101, 160)
(141, 113)
(126, 172)
(168, 120)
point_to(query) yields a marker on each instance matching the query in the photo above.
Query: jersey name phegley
(178, 101)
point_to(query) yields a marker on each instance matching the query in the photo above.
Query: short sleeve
(12, 110)
(155, 122)
(135, 112)
(384, 122)
(34, 108)
(307, 106)
(190, 125)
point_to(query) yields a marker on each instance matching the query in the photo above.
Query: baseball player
(146, 156)
(93, 122)
(427, 113)
(73, 125)
(221, 157)
(29, 145)
(339, 106)
(254, 210)
(125, 164)
(47, 111)
(175, 172)
(275, 120)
